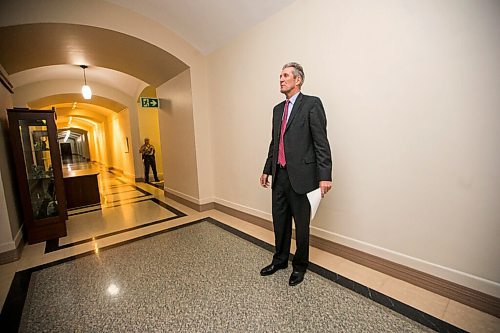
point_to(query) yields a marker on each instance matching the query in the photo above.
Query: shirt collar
(293, 98)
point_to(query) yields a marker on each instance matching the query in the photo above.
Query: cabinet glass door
(41, 183)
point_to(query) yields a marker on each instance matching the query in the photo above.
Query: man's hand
(264, 180)
(325, 186)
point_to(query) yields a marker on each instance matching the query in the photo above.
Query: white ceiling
(206, 24)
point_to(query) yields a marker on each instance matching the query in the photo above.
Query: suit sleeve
(268, 167)
(317, 121)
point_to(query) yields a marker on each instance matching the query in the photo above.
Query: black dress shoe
(271, 269)
(296, 278)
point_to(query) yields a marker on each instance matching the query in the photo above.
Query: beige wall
(411, 94)
(98, 144)
(149, 127)
(178, 137)
(10, 218)
(118, 128)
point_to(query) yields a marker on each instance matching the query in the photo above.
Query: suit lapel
(295, 110)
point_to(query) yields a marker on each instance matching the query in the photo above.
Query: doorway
(66, 152)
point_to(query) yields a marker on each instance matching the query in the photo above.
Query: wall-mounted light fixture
(86, 91)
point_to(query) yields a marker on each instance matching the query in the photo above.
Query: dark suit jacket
(307, 151)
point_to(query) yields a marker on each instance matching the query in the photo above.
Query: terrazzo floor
(138, 262)
(199, 278)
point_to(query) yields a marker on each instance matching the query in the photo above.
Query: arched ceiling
(28, 46)
(67, 100)
(38, 52)
(74, 133)
(85, 123)
(78, 113)
(121, 81)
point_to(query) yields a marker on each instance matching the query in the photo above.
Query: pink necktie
(281, 147)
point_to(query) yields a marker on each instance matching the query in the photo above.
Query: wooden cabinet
(39, 173)
(81, 188)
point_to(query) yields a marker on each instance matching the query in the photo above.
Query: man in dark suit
(299, 161)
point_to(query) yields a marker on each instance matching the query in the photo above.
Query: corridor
(142, 262)
(396, 102)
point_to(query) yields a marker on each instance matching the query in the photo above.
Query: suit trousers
(287, 204)
(149, 161)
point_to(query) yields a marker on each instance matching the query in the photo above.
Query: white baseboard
(19, 236)
(7, 246)
(450, 274)
(13, 244)
(245, 209)
(184, 196)
(205, 201)
(129, 175)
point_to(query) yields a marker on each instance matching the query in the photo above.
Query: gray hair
(297, 71)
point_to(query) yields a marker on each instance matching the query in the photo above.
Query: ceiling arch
(85, 123)
(126, 83)
(74, 132)
(80, 114)
(46, 44)
(54, 100)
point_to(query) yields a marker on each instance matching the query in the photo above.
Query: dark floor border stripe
(10, 316)
(85, 212)
(82, 207)
(113, 193)
(116, 186)
(157, 185)
(410, 312)
(112, 206)
(12, 310)
(88, 240)
(120, 200)
(168, 207)
(126, 203)
(141, 190)
(53, 245)
(106, 182)
(454, 291)
(146, 194)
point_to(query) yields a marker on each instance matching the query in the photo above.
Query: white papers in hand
(314, 198)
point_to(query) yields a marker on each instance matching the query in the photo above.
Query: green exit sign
(150, 102)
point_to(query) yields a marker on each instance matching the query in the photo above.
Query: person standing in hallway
(299, 161)
(148, 156)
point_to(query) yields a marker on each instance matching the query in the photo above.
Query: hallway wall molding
(128, 175)
(10, 254)
(187, 200)
(462, 294)
(5, 80)
(116, 171)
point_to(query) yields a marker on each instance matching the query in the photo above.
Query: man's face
(288, 82)
(146, 141)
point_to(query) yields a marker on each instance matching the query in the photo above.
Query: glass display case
(39, 170)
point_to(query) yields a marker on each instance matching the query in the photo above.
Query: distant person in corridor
(148, 156)
(299, 161)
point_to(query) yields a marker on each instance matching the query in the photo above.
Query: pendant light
(86, 91)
